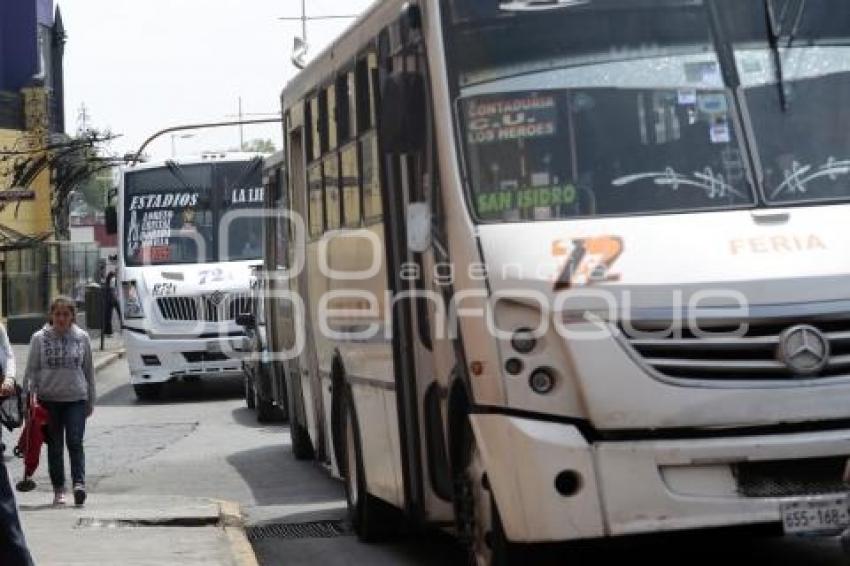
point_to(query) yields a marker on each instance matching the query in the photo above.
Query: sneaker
(59, 496)
(79, 494)
(26, 484)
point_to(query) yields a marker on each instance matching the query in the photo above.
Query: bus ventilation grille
(791, 478)
(315, 529)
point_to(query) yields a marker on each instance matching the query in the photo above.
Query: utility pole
(241, 131)
(241, 115)
(83, 118)
(304, 21)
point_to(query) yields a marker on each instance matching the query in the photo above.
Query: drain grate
(314, 529)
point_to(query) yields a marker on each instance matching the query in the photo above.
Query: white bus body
(189, 234)
(642, 181)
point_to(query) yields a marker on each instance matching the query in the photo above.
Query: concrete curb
(234, 527)
(109, 359)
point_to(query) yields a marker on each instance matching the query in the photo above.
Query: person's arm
(88, 371)
(33, 365)
(7, 380)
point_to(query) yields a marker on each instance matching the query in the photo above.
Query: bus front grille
(211, 307)
(732, 352)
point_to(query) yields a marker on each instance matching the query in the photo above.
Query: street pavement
(160, 476)
(114, 528)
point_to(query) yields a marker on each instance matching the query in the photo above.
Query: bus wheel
(267, 411)
(148, 391)
(478, 522)
(367, 517)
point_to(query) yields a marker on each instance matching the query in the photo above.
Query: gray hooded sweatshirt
(59, 367)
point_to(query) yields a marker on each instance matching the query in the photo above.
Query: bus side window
(367, 108)
(314, 150)
(367, 86)
(316, 202)
(345, 108)
(331, 119)
(281, 223)
(350, 186)
(372, 207)
(332, 204)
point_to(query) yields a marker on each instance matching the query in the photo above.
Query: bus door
(306, 366)
(278, 311)
(410, 177)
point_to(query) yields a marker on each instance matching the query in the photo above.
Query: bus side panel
(379, 457)
(359, 307)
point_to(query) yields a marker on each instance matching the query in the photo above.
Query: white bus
(189, 233)
(573, 269)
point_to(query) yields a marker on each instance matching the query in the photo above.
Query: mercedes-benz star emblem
(804, 350)
(217, 297)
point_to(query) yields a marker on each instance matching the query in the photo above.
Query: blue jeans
(67, 425)
(13, 546)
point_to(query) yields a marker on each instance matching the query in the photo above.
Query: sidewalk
(122, 529)
(133, 531)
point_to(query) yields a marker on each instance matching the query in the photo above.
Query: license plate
(816, 515)
(214, 347)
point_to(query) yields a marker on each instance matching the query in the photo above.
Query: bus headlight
(132, 302)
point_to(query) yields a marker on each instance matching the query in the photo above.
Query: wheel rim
(351, 462)
(477, 510)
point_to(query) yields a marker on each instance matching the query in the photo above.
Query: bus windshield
(615, 107)
(172, 213)
(795, 75)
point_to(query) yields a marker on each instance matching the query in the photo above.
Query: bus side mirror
(111, 217)
(246, 320)
(403, 112)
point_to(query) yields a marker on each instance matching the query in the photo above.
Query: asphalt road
(201, 441)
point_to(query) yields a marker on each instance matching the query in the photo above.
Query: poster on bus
(155, 219)
(502, 119)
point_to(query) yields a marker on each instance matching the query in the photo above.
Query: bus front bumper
(637, 486)
(159, 360)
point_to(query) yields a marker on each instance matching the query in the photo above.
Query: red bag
(32, 436)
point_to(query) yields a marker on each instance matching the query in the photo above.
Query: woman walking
(60, 373)
(13, 545)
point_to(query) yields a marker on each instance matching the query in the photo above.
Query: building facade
(32, 124)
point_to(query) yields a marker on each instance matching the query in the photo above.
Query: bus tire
(367, 515)
(148, 391)
(302, 448)
(267, 411)
(479, 524)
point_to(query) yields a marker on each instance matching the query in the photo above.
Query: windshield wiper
(774, 32)
(797, 23)
(774, 37)
(246, 170)
(177, 172)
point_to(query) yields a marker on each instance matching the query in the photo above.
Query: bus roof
(342, 50)
(206, 157)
